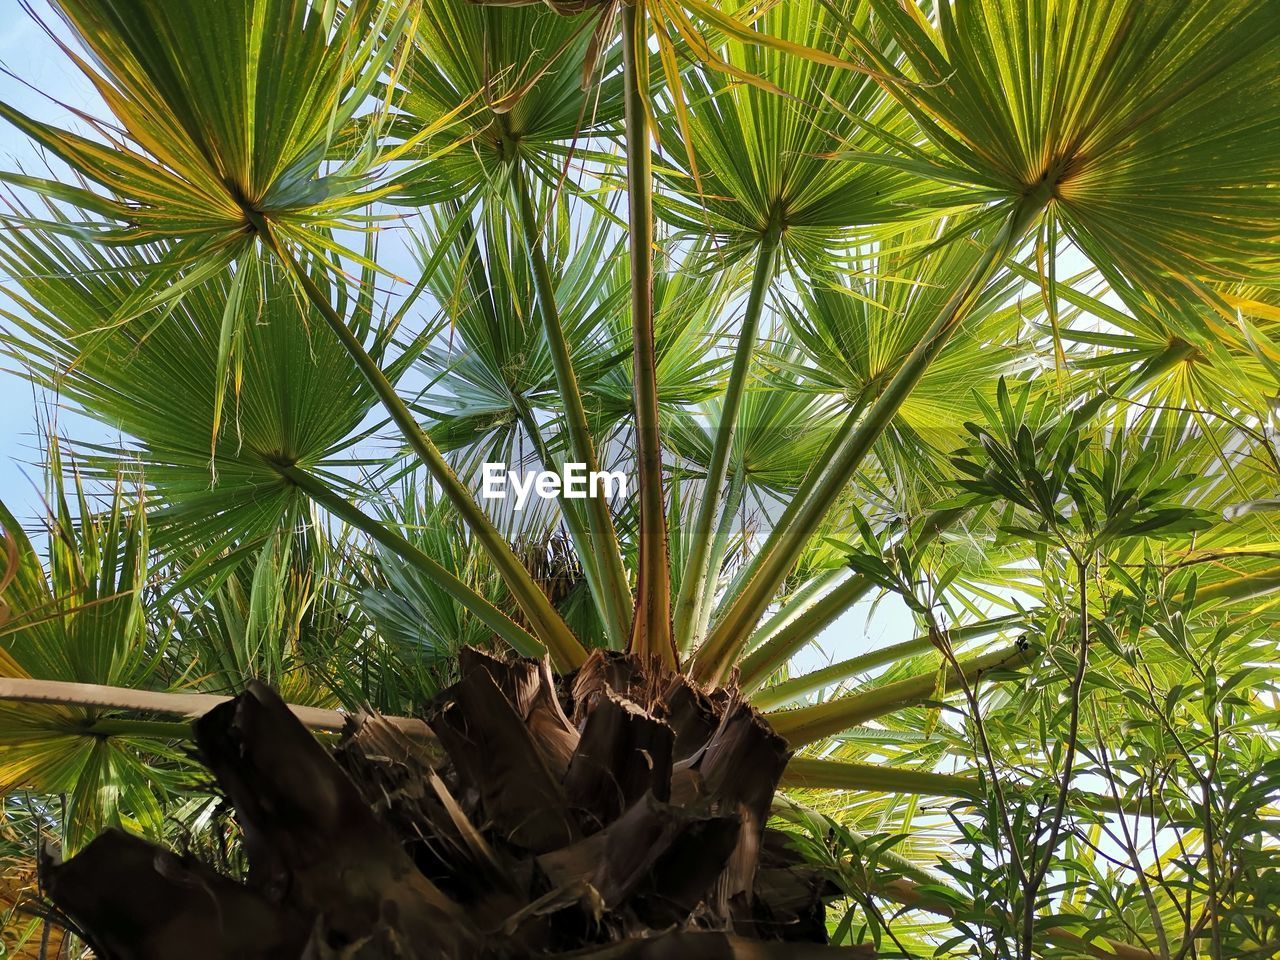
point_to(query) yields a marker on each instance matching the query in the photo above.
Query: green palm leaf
(1149, 121)
(80, 619)
(293, 397)
(186, 164)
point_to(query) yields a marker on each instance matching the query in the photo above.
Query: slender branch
(694, 587)
(545, 621)
(1130, 844)
(911, 894)
(610, 588)
(1209, 791)
(651, 628)
(1040, 870)
(982, 744)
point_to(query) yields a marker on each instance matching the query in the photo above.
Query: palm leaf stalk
(810, 773)
(651, 634)
(804, 725)
(544, 620)
(191, 705)
(720, 544)
(602, 552)
(790, 536)
(695, 598)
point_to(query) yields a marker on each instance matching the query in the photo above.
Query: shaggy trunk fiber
(619, 815)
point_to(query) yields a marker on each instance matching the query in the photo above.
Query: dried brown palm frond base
(621, 815)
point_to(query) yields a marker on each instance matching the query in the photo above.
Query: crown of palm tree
(971, 304)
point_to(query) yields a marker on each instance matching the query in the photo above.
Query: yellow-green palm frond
(1150, 123)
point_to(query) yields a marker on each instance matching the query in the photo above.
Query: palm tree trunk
(617, 814)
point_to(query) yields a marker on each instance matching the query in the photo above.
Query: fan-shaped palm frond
(512, 79)
(80, 619)
(1150, 145)
(160, 378)
(182, 164)
(762, 160)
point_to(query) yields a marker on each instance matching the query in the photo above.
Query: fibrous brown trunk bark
(617, 813)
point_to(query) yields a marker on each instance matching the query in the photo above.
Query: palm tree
(967, 304)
